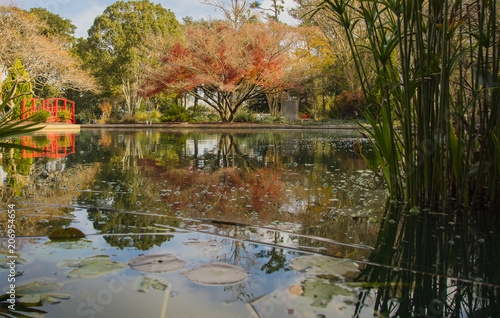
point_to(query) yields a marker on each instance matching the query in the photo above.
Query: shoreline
(216, 126)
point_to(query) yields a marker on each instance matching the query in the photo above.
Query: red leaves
(223, 57)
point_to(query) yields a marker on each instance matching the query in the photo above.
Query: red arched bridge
(52, 105)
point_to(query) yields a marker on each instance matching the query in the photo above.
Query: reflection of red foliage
(228, 192)
(57, 148)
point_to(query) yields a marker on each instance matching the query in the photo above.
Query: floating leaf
(31, 300)
(66, 234)
(93, 266)
(323, 265)
(70, 245)
(216, 274)
(321, 291)
(49, 298)
(144, 284)
(156, 263)
(38, 288)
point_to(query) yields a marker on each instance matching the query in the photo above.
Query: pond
(230, 223)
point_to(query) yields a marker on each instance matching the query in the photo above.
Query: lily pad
(156, 263)
(321, 291)
(70, 233)
(144, 284)
(93, 266)
(38, 287)
(324, 265)
(70, 245)
(49, 298)
(216, 274)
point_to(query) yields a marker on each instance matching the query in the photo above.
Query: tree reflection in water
(282, 189)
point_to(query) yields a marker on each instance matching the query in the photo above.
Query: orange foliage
(225, 66)
(106, 108)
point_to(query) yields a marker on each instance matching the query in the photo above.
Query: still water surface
(269, 202)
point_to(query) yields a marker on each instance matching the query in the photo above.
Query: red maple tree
(225, 66)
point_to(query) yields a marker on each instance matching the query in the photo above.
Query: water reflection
(53, 145)
(259, 200)
(299, 182)
(437, 266)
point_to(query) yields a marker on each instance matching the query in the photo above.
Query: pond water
(298, 212)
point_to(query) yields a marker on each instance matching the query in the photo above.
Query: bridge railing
(52, 105)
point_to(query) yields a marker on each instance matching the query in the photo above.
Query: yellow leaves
(315, 49)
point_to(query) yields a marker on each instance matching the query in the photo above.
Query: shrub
(348, 105)
(64, 115)
(40, 116)
(154, 115)
(175, 113)
(129, 118)
(111, 120)
(141, 116)
(245, 116)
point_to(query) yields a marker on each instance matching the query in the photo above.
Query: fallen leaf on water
(156, 263)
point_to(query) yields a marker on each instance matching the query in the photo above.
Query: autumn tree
(33, 59)
(226, 66)
(333, 69)
(114, 50)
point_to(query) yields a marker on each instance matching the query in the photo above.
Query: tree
(114, 50)
(54, 24)
(277, 7)
(237, 12)
(45, 60)
(226, 66)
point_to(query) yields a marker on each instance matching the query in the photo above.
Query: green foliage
(10, 127)
(141, 116)
(117, 45)
(155, 115)
(55, 24)
(16, 86)
(437, 66)
(348, 105)
(64, 115)
(40, 116)
(175, 113)
(245, 115)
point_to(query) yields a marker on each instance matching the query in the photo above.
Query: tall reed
(437, 65)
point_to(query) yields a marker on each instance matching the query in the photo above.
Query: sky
(83, 13)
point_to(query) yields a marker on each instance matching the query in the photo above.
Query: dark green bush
(348, 105)
(40, 116)
(245, 116)
(175, 113)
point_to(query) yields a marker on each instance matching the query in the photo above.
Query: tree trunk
(132, 99)
(273, 103)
